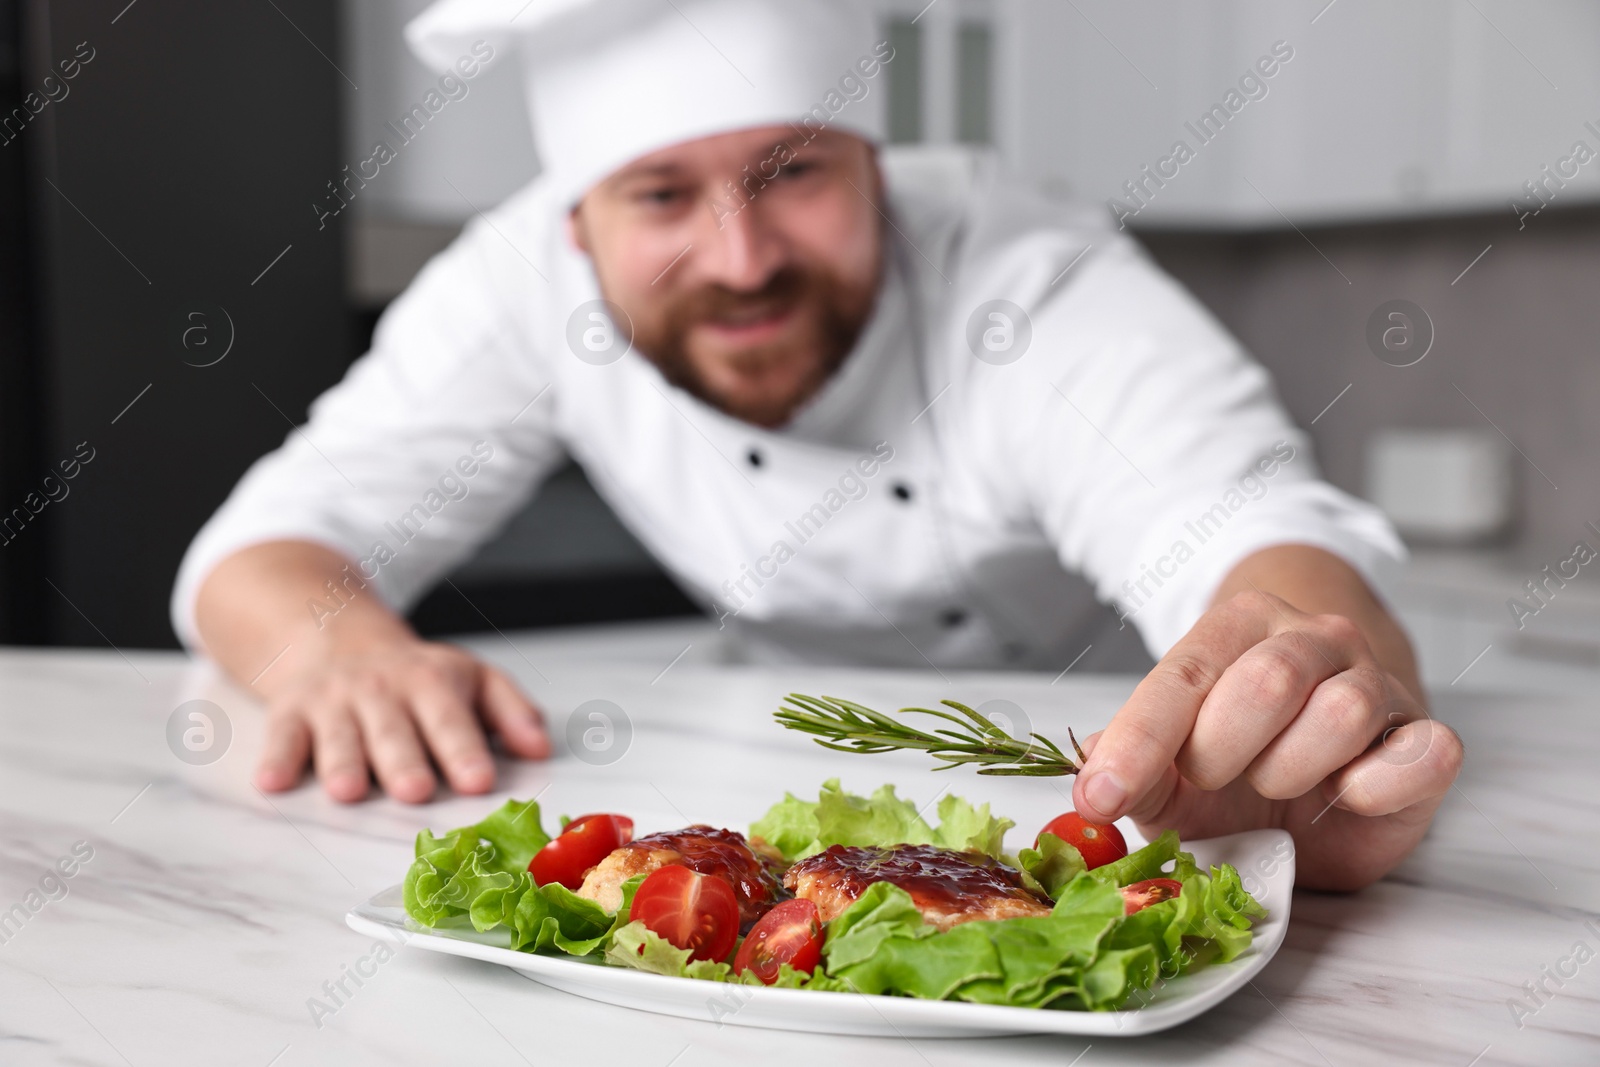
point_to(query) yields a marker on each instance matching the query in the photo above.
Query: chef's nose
(744, 249)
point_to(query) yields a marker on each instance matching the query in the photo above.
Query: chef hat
(610, 81)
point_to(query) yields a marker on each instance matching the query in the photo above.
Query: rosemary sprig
(846, 726)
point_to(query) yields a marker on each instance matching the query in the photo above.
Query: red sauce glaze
(725, 854)
(950, 881)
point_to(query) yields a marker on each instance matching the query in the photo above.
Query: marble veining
(209, 919)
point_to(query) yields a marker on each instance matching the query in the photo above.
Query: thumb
(513, 716)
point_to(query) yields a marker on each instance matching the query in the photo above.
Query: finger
(284, 752)
(451, 729)
(1148, 807)
(1257, 697)
(341, 761)
(396, 751)
(1413, 764)
(1144, 737)
(1339, 722)
(513, 716)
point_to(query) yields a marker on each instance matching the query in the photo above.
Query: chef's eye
(797, 169)
(660, 196)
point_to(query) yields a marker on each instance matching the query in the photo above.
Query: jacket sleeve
(429, 444)
(1149, 447)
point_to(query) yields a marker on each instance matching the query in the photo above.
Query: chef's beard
(830, 315)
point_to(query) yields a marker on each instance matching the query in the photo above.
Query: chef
(865, 406)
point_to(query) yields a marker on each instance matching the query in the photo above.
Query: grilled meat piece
(745, 865)
(948, 887)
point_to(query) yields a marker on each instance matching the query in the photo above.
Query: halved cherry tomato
(790, 933)
(694, 911)
(585, 842)
(1098, 844)
(1141, 895)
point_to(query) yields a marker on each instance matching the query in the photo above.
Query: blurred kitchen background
(1437, 152)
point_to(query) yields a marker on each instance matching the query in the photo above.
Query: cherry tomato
(694, 911)
(584, 843)
(1141, 895)
(1099, 845)
(790, 933)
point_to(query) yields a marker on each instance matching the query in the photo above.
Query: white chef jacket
(926, 507)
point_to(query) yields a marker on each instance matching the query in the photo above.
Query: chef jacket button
(754, 457)
(902, 491)
(952, 617)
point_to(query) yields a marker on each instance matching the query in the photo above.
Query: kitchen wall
(1518, 335)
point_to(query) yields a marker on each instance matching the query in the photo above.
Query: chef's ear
(575, 235)
(875, 158)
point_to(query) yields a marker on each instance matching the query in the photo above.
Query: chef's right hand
(387, 710)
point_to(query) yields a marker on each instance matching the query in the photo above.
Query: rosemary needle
(846, 726)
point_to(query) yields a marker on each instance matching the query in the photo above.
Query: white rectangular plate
(1265, 859)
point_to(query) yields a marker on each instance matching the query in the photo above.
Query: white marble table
(208, 915)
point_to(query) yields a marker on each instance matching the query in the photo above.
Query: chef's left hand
(1266, 716)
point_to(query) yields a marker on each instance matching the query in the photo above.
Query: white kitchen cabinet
(470, 156)
(1384, 110)
(1433, 106)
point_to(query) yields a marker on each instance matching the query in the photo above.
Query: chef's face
(748, 262)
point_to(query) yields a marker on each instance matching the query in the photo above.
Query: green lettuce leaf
(883, 911)
(552, 916)
(883, 819)
(1136, 866)
(636, 946)
(1052, 865)
(789, 978)
(1209, 921)
(1214, 909)
(880, 944)
(479, 874)
(800, 828)
(451, 872)
(1084, 955)
(1088, 895)
(969, 829)
(514, 834)
(790, 826)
